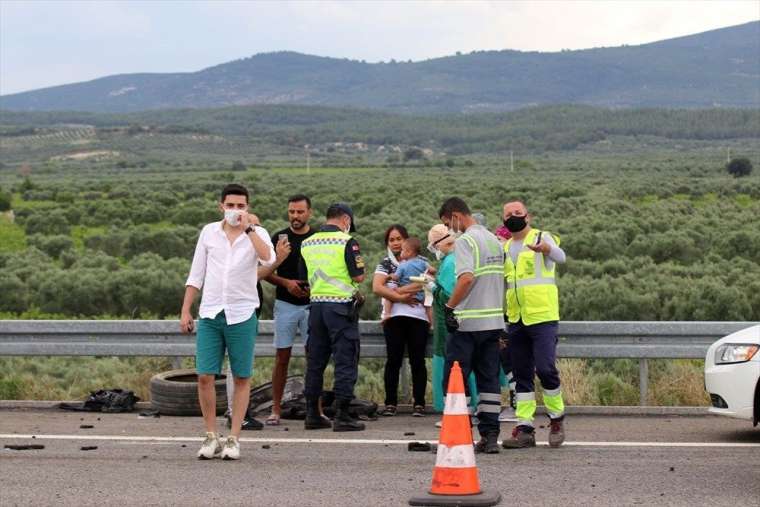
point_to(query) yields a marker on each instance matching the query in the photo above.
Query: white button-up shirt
(227, 273)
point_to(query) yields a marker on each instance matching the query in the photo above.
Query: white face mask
(452, 231)
(438, 255)
(232, 216)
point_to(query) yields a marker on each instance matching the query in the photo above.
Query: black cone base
(482, 499)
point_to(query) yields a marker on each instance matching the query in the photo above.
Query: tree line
(658, 242)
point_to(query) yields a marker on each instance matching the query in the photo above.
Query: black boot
(489, 444)
(343, 420)
(313, 420)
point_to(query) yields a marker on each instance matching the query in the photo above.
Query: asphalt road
(151, 461)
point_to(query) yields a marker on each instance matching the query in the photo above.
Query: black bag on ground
(105, 400)
(293, 404)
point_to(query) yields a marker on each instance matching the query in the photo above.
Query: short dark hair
(395, 227)
(451, 205)
(414, 243)
(234, 189)
(335, 212)
(299, 198)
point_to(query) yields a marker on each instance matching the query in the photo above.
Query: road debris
(419, 447)
(24, 447)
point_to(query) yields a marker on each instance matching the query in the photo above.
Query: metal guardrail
(583, 339)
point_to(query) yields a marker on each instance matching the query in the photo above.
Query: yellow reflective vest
(324, 255)
(531, 288)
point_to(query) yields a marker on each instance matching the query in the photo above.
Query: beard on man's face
(296, 224)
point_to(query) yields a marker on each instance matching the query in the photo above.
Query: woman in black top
(406, 327)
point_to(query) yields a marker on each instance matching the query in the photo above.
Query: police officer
(334, 267)
(474, 314)
(532, 309)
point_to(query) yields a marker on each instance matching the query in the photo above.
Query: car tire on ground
(175, 392)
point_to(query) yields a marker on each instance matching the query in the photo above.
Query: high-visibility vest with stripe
(531, 288)
(324, 255)
(489, 262)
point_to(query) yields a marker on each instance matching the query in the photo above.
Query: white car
(732, 375)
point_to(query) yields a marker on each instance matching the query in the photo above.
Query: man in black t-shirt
(291, 305)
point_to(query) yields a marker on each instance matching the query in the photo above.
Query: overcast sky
(49, 43)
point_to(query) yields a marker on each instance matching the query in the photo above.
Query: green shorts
(214, 335)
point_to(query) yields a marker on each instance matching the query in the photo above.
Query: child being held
(412, 264)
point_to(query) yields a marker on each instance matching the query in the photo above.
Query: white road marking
(355, 441)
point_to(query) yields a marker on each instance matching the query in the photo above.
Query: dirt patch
(84, 155)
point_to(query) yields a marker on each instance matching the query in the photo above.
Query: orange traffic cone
(455, 476)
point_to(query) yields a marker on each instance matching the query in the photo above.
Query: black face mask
(515, 223)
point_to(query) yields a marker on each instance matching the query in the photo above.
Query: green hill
(719, 68)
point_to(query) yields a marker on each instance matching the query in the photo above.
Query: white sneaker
(508, 415)
(231, 448)
(211, 447)
(439, 424)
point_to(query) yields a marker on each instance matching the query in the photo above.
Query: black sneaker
(389, 411)
(522, 437)
(418, 411)
(249, 423)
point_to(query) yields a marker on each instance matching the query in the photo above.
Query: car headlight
(735, 353)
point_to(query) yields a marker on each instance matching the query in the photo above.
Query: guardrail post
(176, 362)
(643, 381)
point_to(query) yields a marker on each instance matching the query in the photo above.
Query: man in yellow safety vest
(334, 268)
(532, 308)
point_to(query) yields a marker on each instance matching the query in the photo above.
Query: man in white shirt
(225, 265)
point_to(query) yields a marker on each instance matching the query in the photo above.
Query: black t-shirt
(289, 268)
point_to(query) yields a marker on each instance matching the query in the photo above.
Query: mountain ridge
(684, 72)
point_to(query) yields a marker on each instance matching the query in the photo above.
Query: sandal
(273, 420)
(389, 411)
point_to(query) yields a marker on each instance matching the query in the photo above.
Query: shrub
(46, 223)
(51, 245)
(5, 200)
(14, 294)
(739, 167)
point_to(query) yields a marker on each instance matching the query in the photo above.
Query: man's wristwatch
(250, 228)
